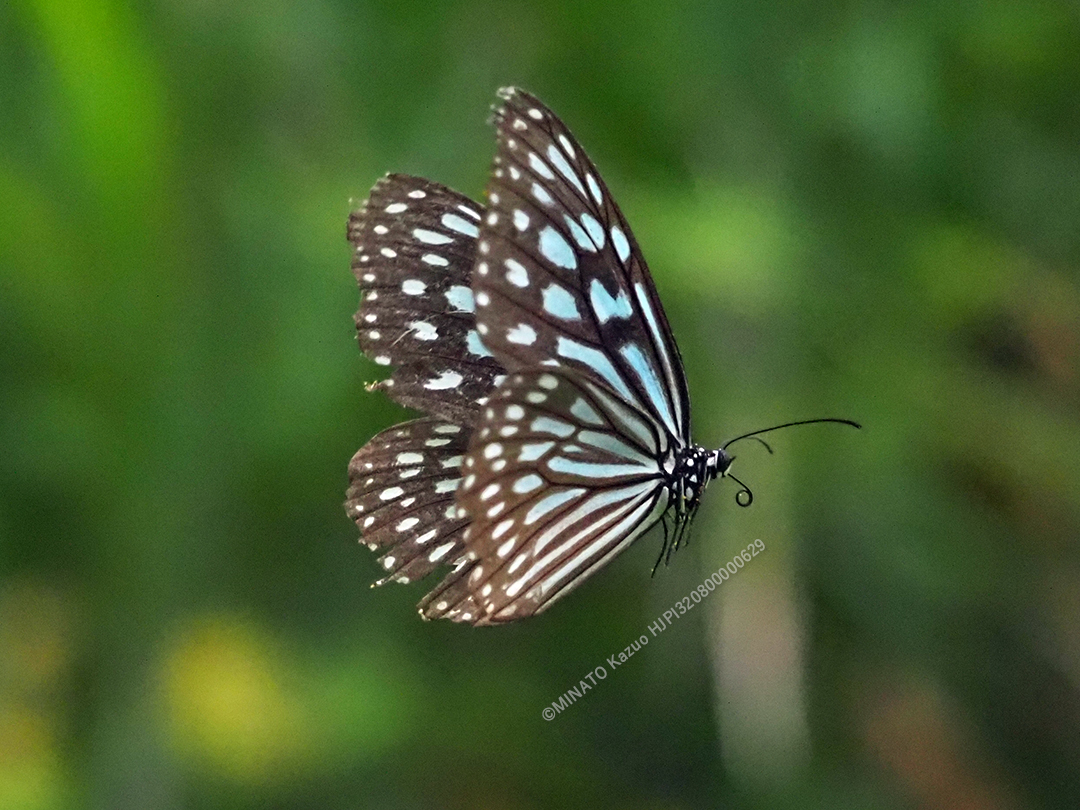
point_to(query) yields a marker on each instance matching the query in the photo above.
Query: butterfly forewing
(401, 495)
(560, 476)
(559, 279)
(414, 243)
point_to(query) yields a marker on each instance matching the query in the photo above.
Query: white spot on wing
(527, 483)
(541, 194)
(605, 305)
(594, 189)
(475, 345)
(559, 162)
(560, 303)
(447, 379)
(412, 286)
(595, 229)
(618, 239)
(522, 334)
(431, 237)
(460, 298)
(440, 552)
(541, 168)
(549, 424)
(424, 330)
(576, 231)
(516, 273)
(456, 223)
(531, 452)
(556, 249)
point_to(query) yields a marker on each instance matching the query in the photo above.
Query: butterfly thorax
(694, 468)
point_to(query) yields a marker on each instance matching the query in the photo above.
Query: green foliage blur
(866, 210)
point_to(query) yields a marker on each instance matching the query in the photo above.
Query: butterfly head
(693, 472)
(717, 463)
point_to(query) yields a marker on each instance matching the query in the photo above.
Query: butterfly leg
(663, 547)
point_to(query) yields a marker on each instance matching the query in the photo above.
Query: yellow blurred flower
(230, 703)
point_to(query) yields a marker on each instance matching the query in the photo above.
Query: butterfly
(530, 333)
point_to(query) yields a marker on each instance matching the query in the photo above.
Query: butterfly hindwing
(560, 476)
(401, 495)
(559, 279)
(414, 243)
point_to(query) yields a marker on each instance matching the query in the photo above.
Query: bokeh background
(857, 209)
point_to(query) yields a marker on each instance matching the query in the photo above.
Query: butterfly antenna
(745, 491)
(755, 433)
(756, 439)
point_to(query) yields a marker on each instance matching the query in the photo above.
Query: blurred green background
(867, 210)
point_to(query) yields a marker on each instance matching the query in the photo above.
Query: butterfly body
(531, 333)
(693, 471)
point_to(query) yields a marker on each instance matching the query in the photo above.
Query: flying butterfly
(531, 334)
